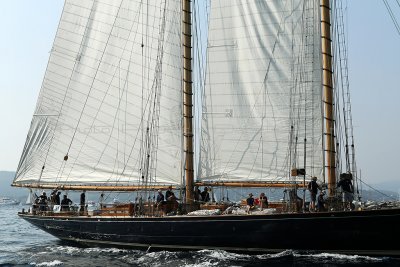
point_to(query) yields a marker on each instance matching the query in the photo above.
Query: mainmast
(327, 84)
(187, 97)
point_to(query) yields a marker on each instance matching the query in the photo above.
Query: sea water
(21, 244)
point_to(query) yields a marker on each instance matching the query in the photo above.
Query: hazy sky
(28, 27)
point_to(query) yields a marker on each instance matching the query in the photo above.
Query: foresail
(109, 110)
(262, 95)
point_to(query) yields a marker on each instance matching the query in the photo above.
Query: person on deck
(321, 202)
(101, 200)
(197, 193)
(205, 196)
(53, 197)
(36, 203)
(160, 198)
(313, 188)
(43, 201)
(169, 192)
(82, 202)
(172, 204)
(347, 191)
(263, 201)
(65, 203)
(250, 203)
(57, 200)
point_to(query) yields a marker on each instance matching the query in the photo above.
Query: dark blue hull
(373, 232)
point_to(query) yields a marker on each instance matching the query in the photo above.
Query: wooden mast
(327, 83)
(187, 97)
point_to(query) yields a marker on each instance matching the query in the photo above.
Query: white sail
(110, 103)
(263, 90)
(29, 198)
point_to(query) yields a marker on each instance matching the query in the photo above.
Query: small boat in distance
(6, 201)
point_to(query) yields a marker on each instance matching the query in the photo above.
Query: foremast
(187, 98)
(327, 87)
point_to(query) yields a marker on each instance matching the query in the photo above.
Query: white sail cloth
(263, 89)
(110, 103)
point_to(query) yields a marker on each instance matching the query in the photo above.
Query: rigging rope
(392, 16)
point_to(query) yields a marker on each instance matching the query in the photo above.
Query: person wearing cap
(250, 203)
(313, 188)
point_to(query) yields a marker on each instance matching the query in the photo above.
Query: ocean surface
(24, 245)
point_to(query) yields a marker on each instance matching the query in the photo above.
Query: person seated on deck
(321, 202)
(263, 201)
(250, 203)
(171, 204)
(205, 196)
(65, 202)
(294, 198)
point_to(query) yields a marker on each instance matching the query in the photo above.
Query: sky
(28, 28)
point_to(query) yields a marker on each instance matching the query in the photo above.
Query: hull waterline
(360, 232)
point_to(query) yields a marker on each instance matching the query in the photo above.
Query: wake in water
(61, 255)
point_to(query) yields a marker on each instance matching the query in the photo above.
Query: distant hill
(393, 185)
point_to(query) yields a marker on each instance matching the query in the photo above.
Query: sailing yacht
(134, 100)
(6, 201)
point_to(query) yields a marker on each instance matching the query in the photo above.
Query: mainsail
(262, 113)
(109, 110)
